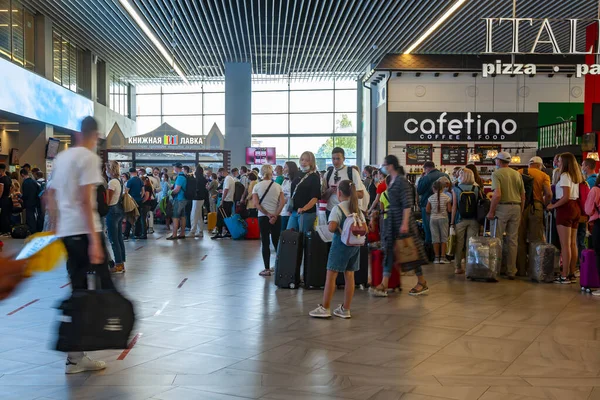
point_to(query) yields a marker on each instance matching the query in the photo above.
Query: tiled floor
(229, 334)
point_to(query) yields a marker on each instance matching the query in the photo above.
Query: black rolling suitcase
(316, 252)
(289, 259)
(361, 277)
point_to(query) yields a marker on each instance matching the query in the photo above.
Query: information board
(417, 154)
(454, 154)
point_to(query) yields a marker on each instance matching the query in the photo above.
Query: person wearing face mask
(338, 173)
(290, 175)
(279, 178)
(370, 183)
(381, 188)
(305, 195)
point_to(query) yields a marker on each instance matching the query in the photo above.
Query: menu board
(454, 154)
(418, 154)
(482, 150)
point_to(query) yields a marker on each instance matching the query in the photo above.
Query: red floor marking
(182, 282)
(65, 285)
(206, 255)
(139, 248)
(22, 307)
(128, 349)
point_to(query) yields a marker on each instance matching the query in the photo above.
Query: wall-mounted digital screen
(29, 95)
(52, 148)
(260, 155)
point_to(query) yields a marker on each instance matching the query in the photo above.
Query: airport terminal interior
(459, 259)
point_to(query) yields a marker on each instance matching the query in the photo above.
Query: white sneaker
(444, 261)
(320, 312)
(437, 261)
(596, 293)
(341, 312)
(85, 364)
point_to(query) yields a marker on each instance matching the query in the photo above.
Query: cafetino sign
(461, 127)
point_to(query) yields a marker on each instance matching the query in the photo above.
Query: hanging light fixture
(594, 156)
(491, 154)
(515, 159)
(474, 157)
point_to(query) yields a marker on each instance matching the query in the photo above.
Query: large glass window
(300, 116)
(192, 109)
(17, 33)
(119, 96)
(64, 61)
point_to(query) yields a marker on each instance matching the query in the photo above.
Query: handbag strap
(266, 191)
(300, 183)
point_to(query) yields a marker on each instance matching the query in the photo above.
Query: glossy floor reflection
(227, 333)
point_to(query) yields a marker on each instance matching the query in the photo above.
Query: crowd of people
(21, 199)
(80, 204)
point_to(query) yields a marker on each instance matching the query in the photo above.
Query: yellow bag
(44, 252)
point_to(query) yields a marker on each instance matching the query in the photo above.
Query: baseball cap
(178, 165)
(536, 160)
(503, 155)
(148, 170)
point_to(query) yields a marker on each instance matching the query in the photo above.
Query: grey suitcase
(544, 258)
(484, 256)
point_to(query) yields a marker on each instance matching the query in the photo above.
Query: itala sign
(545, 35)
(166, 140)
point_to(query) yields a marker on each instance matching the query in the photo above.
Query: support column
(32, 142)
(43, 47)
(592, 83)
(238, 110)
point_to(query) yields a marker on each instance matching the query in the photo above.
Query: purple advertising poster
(260, 155)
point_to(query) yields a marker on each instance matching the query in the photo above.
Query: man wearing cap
(531, 228)
(179, 202)
(508, 202)
(134, 187)
(155, 182)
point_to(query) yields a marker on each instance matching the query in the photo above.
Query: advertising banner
(260, 155)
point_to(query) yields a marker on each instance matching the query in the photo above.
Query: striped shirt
(443, 205)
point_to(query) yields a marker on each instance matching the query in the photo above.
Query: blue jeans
(426, 226)
(114, 223)
(302, 222)
(284, 222)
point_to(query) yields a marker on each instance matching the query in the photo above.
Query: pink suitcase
(588, 277)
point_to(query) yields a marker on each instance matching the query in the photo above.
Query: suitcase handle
(495, 227)
(549, 222)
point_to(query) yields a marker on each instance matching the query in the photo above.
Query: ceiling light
(491, 154)
(515, 159)
(146, 29)
(433, 27)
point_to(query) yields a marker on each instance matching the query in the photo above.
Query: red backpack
(584, 191)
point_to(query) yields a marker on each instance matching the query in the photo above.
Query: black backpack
(20, 231)
(239, 191)
(467, 203)
(528, 183)
(101, 197)
(330, 172)
(190, 189)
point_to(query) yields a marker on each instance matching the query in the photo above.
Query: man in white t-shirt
(226, 202)
(72, 195)
(340, 172)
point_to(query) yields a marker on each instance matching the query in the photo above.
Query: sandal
(265, 272)
(181, 237)
(417, 292)
(378, 291)
(459, 271)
